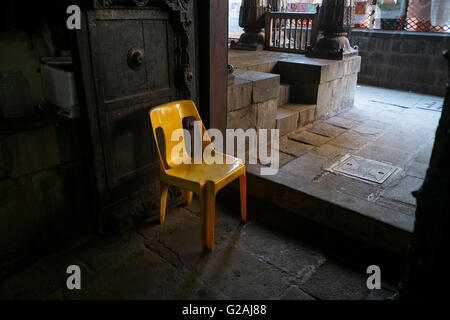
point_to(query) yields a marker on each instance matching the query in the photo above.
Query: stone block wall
(43, 186)
(410, 61)
(252, 100)
(330, 84)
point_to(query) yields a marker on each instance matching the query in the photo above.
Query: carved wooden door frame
(180, 14)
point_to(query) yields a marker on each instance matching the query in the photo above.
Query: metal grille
(365, 169)
(405, 15)
(290, 32)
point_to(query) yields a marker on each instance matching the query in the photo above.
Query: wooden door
(133, 56)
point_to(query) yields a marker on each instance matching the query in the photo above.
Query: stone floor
(269, 257)
(277, 254)
(388, 126)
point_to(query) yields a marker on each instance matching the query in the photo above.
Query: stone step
(333, 210)
(284, 95)
(265, 86)
(252, 100)
(306, 112)
(261, 66)
(330, 84)
(251, 87)
(262, 61)
(286, 120)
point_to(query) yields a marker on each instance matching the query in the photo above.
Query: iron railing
(290, 31)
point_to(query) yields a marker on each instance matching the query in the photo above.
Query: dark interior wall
(212, 17)
(43, 182)
(43, 176)
(43, 198)
(30, 30)
(410, 61)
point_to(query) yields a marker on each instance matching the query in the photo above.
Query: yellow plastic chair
(180, 170)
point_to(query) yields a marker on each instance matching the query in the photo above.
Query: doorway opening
(356, 135)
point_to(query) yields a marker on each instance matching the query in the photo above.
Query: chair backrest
(169, 117)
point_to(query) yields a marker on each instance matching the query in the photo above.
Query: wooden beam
(212, 17)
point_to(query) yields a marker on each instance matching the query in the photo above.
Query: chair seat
(199, 174)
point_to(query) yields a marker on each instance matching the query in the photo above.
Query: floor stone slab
(140, 275)
(293, 292)
(354, 187)
(382, 153)
(324, 129)
(285, 159)
(180, 246)
(307, 137)
(287, 255)
(417, 169)
(424, 153)
(293, 147)
(355, 114)
(367, 129)
(329, 151)
(342, 122)
(350, 140)
(105, 251)
(402, 191)
(308, 166)
(403, 140)
(343, 284)
(233, 271)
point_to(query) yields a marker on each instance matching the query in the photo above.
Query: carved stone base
(332, 46)
(252, 40)
(244, 46)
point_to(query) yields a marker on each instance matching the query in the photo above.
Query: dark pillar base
(251, 40)
(230, 74)
(332, 46)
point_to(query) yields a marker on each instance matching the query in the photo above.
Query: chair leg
(207, 209)
(243, 191)
(186, 197)
(163, 202)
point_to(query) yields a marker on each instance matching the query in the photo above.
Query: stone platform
(43, 195)
(391, 127)
(321, 122)
(328, 85)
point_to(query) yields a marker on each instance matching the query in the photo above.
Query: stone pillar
(252, 19)
(335, 20)
(278, 5)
